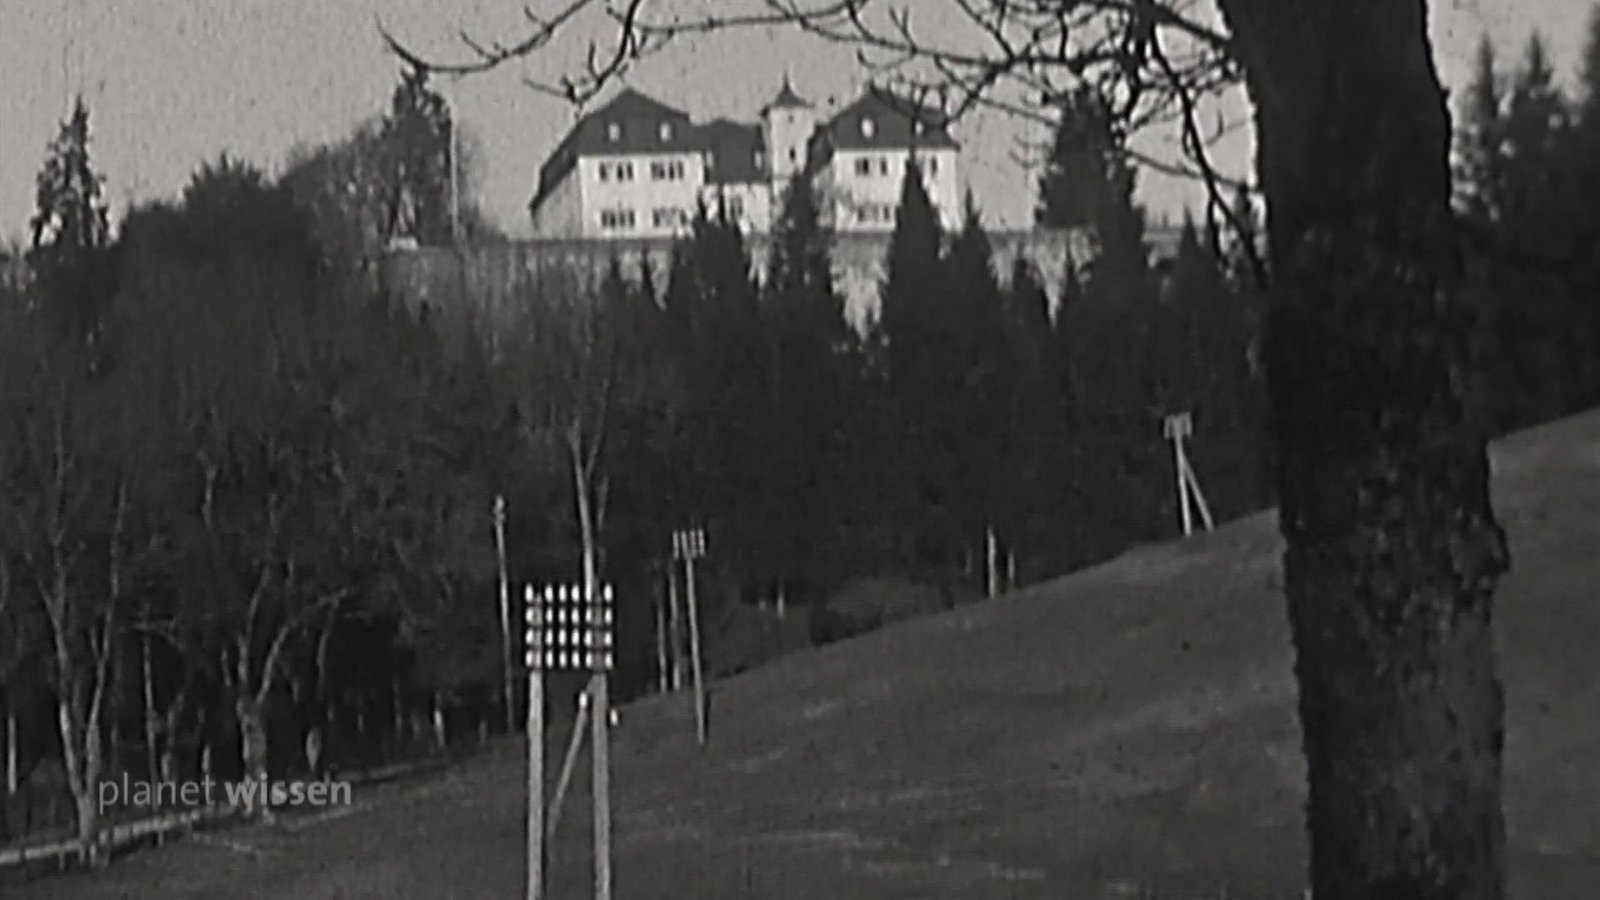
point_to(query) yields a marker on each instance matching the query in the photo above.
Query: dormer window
(917, 128)
(868, 128)
(665, 131)
(613, 131)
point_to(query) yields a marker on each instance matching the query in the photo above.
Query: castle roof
(786, 99)
(736, 152)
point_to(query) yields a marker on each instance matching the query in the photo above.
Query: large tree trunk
(1393, 549)
(81, 757)
(251, 712)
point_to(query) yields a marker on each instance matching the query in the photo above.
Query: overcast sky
(172, 83)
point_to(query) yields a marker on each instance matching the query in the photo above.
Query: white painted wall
(787, 131)
(642, 194)
(560, 214)
(863, 187)
(751, 203)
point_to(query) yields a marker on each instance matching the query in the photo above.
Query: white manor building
(637, 168)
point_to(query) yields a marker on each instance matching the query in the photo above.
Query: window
(868, 127)
(666, 170)
(864, 166)
(917, 128)
(875, 213)
(736, 207)
(883, 165)
(605, 171)
(665, 131)
(619, 218)
(613, 131)
(932, 167)
(624, 171)
(668, 217)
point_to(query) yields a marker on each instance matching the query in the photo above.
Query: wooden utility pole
(1177, 428)
(11, 746)
(663, 679)
(571, 629)
(565, 780)
(600, 721)
(690, 545)
(536, 664)
(991, 548)
(505, 613)
(674, 622)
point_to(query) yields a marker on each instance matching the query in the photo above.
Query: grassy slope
(1130, 727)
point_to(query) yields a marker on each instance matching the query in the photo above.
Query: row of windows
(617, 218)
(667, 170)
(621, 171)
(614, 132)
(874, 213)
(674, 169)
(623, 218)
(869, 166)
(669, 217)
(869, 128)
(660, 170)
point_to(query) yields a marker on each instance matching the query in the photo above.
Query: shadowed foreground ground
(1128, 728)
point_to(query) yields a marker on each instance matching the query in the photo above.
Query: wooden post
(149, 702)
(567, 765)
(1199, 495)
(600, 720)
(11, 746)
(535, 752)
(1175, 428)
(694, 651)
(505, 612)
(663, 679)
(674, 625)
(441, 737)
(991, 546)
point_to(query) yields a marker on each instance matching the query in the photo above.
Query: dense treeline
(1529, 182)
(247, 525)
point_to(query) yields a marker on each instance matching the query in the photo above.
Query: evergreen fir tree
(1031, 488)
(1082, 152)
(1536, 228)
(809, 346)
(914, 348)
(416, 141)
(970, 424)
(1480, 172)
(70, 234)
(714, 310)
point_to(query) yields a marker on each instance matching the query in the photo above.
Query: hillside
(1128, 728)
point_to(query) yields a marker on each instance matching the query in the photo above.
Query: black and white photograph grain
(800, 449)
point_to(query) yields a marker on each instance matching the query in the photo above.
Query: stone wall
(485, 279)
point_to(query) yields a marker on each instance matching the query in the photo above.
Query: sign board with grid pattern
(568, 631)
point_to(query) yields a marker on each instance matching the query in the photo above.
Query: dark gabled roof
(638, 120)
(897, 123)
(737, 152)
(786, 99)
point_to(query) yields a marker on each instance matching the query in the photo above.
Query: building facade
(637, 168)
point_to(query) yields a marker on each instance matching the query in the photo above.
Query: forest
(249, 498)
